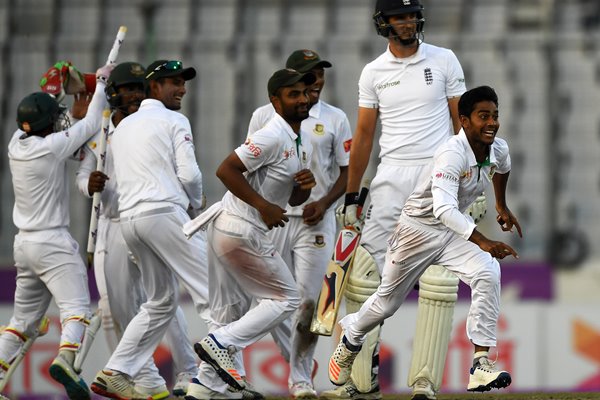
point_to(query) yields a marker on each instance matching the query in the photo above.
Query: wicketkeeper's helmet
(37, 111)
(123, 74)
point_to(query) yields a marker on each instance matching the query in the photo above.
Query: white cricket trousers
(163, 255)
(48, 265)
(306, 250)
(247, 266)
(120, 285)
(414, 247)
(390, 188)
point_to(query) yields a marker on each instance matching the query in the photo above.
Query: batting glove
(351, 218)
(103, 73)
(478, 209)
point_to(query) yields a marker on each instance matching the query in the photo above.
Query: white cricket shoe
(423, 390)
(155, 393)
(340, 363)
(219, 357)
(113, 384)
(303, 390)
(182, 382)
(197, 391)
(61, 370)
(485, 376)
(350, 392)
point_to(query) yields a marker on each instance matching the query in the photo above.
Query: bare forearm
(237, 184)
(359, 160)
(500, 182)
(337, 190)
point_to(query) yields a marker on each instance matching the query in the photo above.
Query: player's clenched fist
(273, 215)
(96, 182)
(305, 179)
(351, 218)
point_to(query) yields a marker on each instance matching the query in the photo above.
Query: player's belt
(149, 213)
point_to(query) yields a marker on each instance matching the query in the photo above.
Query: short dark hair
(467, 101)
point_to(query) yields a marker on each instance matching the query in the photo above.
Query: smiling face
(291, 102)
(314, 91)
(482, 125)
(169, 91)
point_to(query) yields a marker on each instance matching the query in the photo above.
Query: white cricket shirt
(154, 160)
(39, 169)
(456, 181)
(109, 206)
(330, 136)
(412, 96)
(272, 157)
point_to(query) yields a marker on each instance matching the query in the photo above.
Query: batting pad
(437, 296)
(363, 282)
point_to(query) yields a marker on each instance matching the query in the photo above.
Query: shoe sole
(178, 392)
(503, 380)
(102, 391)
(76, 390)
(421, 397)
(223, 374)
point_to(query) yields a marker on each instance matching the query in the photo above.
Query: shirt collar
(471, 156)
(282, 123)
(152, 103)
(415, 58)
(315, 110)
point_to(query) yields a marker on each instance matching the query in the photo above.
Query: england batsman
(413, 88)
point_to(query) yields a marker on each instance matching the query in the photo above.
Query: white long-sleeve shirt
(455, 182)
(154, 160)
(39, 170)
(109, 205)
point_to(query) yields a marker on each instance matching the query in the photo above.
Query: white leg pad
(437, 296)
(363, 282)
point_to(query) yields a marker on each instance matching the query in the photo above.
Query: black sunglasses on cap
(169, 65)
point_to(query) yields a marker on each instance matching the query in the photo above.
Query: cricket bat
(336, 276)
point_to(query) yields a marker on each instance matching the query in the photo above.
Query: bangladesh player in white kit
(306, 241)
(117, 276)
(413, 89)
(434, 229)
(158, 180)
(263, 175)
(47, 258)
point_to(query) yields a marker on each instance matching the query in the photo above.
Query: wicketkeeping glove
(478, 209)
(351, 218)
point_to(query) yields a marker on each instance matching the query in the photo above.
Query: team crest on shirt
(319, 241)
(254, 149)
(492, 172)
(287, 153)
(319, 129)
(466, 175)
(428, 76)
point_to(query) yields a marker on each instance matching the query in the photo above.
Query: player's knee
(490, 273)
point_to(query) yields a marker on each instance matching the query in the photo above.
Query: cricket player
(117, 276)
(306, 241)
(413, 89)
(263, 175)
(434, 229)
(158, 180)
(46, 256)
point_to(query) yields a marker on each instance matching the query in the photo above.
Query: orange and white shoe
(340, 363)
(219, 357)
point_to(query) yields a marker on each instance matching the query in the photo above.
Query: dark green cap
(304, 60)
(288, 77)
(165, 68)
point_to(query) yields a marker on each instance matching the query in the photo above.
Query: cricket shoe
(340, 363)
(219, 357)
(155, 393)
(423, 390)
(115, 385)
(303, 390)
(350, 392)
(197, 391)
(182, 382)
(485, 376)
(61, 370)
(249, 392)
